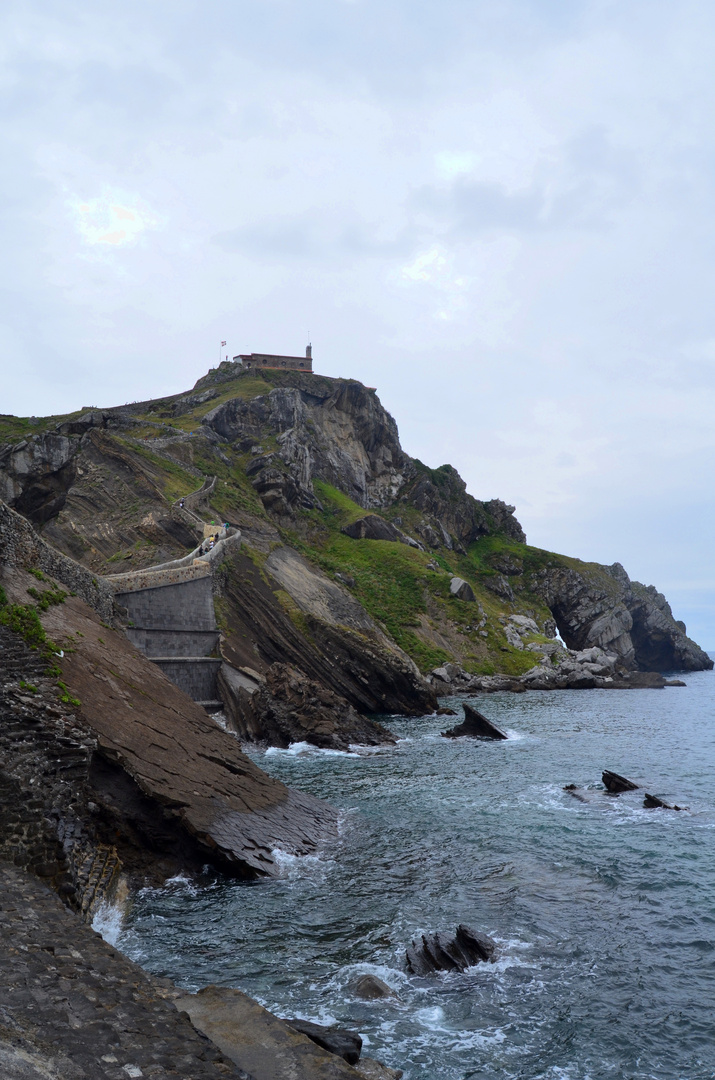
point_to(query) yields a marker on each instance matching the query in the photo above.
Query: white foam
(108, 921)
(300, 749)
(290, 865)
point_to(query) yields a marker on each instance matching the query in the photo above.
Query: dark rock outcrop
(652, 802)
(336, 1040)
(449, 952)
(476, 726)
(616, 783)
(373, 527)
(287, 707)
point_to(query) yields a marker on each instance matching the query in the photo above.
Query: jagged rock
(506, 563)
(336, 1040)
(476, 726)
(334, 430)
(462, 590)
(449, 952)
(616, 783)
(652, 802)
(288, 707)
(499, 585)
(370, 987)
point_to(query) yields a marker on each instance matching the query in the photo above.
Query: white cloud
(112, 219)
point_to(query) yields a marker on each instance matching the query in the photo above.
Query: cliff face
(300, 461)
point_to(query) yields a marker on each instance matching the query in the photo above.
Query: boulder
(449, 952)
(370, 987)
(475, 726)
(336, 1040)
(462, 590)
(373, 527)
(263, 1046)
(616, 783)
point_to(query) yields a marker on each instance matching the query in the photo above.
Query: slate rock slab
(443, 951)
(476, 726)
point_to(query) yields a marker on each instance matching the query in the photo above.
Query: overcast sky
(498, 213)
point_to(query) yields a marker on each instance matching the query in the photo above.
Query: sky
(497, 212)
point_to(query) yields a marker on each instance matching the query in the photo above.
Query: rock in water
(370, 988)
(449, 952)
(652, 802)
(616, 784)
(476, 726)
(346, 1044)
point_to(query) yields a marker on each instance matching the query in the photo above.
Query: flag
(223, 343)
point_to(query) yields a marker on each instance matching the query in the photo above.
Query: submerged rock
(616, 783)
(336, 1040)
(449, 952)
(652, 802)
(370, 987)
(476, 726)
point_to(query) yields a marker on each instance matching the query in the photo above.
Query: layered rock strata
(281, 609)
(284, 707)
(151, 770)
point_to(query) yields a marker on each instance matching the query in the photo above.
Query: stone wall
(21, 546)
(174, 642)
(196, 676)
(156, 578)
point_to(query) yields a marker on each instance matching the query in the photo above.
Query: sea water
(603, 911)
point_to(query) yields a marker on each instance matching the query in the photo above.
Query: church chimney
(309, 352)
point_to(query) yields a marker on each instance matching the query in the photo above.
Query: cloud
(111, 219)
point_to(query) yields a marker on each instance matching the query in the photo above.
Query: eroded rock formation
(601, 606)
(285, 707)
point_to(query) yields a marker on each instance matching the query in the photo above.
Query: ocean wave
(304, 749)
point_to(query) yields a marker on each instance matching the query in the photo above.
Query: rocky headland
(260, 549)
